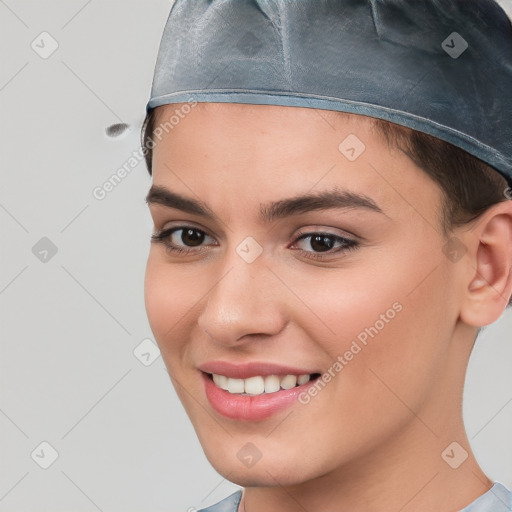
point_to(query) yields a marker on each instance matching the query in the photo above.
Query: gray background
(72, 320)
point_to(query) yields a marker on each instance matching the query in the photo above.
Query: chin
(274, 469)
(261, 475)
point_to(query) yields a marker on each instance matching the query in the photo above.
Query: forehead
(263, 140)
(266, 152)
(249, 125)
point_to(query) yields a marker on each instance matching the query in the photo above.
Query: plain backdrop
(74, 375)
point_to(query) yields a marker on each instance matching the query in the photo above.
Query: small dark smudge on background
(115, 130)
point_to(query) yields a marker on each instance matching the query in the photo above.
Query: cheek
(168, 302)
(389, 321)
(391, 343)
(156, 299)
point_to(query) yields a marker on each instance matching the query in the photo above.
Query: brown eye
(182, 239)
(322, 243)
(192, 237)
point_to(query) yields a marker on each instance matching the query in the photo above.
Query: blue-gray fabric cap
(442, 67)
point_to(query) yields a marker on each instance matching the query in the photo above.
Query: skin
(372, 439)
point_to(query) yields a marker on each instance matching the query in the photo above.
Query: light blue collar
(497, 499)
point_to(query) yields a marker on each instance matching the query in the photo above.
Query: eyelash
(164, 235)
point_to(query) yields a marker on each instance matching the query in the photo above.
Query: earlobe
(490, 271)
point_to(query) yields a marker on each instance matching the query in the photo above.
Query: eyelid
(185, 223)
(310, 232)
(328, 230)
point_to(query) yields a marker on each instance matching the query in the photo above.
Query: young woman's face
(350, 283)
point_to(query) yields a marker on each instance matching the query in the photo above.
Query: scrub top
(497, 499)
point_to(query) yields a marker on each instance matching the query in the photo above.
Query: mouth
(260, 384)
(257, 397)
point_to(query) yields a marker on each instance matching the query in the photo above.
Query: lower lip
(250, 408)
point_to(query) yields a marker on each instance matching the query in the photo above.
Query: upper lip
(251, 369)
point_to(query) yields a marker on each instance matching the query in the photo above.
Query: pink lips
(244, 407)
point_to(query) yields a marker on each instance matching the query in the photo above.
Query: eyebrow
(269, 212)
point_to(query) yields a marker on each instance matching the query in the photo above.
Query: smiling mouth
(260, 385)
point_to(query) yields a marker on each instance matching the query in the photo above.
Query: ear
(489, 271)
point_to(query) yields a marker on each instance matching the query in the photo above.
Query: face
(294, 241)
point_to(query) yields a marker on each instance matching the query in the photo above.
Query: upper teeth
(259, 385)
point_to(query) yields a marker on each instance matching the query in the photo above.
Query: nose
(244, 302)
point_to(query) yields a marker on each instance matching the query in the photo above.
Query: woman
(330, 196)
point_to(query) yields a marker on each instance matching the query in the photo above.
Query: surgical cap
(441, 67)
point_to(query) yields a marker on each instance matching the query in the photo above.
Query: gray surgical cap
(442, 67)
